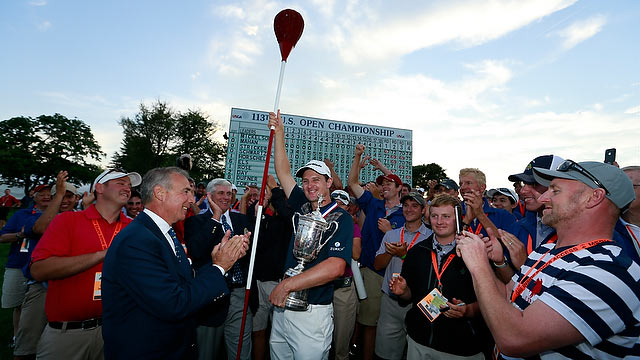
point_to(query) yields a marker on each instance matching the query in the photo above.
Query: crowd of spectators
(546, 265)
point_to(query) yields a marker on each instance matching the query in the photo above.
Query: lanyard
(96, 227)
(521, 206)
(434, 262)
(330, 209)
(632, 234)
(478, 229)
(551, 240)
(412, 241)
(526, 279)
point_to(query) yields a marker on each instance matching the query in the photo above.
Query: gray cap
(595, 175)
(415, 196)
(68, 187)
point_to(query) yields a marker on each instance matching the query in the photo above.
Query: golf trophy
(306, 247)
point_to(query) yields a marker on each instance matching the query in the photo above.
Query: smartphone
(458, 210)
(610, 156)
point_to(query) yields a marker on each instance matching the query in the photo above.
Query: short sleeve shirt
(71, 234)
(597, 290)
(371, 235)
(339, 245)
(394, 236)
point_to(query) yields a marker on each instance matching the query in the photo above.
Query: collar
(422, 229)
(162, 225)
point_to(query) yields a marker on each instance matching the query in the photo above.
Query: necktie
(177, 246)
(235, 274)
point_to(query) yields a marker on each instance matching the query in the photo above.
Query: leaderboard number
(265, 117)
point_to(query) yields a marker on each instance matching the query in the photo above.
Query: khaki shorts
(13, 288)
(32, 320)
(369, 309)
(265, 309)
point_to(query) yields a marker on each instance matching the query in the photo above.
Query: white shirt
(163, 226)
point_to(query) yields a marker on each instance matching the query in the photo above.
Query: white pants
(302, 335)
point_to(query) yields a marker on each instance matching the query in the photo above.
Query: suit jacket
(149, 298)
(201, 235)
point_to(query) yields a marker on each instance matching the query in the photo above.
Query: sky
(486, 84)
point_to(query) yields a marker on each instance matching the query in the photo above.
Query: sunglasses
(568, 165)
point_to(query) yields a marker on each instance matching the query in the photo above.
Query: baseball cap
(594, 174)
(504, 191)
(68, 187)
(316, 165)
(340, 195)
(543, 162)
(417, 197)
(111, 174)
(41, 187)
(234, 188)
(449, 184)
(390, 177)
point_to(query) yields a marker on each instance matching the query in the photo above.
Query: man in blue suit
(149, 291)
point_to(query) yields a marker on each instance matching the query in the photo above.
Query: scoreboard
(308, 138)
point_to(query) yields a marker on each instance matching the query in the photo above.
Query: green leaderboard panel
(308, 138)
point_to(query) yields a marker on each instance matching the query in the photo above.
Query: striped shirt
(597, 290)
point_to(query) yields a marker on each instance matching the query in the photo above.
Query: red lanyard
(104, 244)
(551, 240)
(521, 206)
(632, 234)
(478, 229)
(526, 279)
(434, 262)
(412, 241)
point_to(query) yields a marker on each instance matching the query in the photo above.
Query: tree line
(33, 150)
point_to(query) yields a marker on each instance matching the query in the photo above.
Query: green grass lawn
(6, 329)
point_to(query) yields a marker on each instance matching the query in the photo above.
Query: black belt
(342, 282)
(87, 324)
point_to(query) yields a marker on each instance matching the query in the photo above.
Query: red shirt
(71, 234)
(8, 201)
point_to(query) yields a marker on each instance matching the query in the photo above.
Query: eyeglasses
(572, 165)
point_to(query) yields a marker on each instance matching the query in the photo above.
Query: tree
(157, 136)
(194, 135)
(421, 174)
(34, 150)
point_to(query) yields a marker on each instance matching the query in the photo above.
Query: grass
(6, 329)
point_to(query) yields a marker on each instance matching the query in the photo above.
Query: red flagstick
(288, 26)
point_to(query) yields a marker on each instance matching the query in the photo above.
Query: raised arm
(354, 172)
(283, 167)
(54, 205)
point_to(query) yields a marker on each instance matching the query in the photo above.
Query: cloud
(580, 31)
(229, 11)
(465, 23)
(44, 26)
(38, 3)
(633, 111)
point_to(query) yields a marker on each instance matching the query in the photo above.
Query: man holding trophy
(318, 253)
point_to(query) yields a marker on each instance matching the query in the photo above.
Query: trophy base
(296, 304)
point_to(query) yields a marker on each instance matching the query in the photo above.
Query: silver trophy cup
(306, 247)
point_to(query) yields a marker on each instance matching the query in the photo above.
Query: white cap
(111, 174)
(68, 187)
(316, 165)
